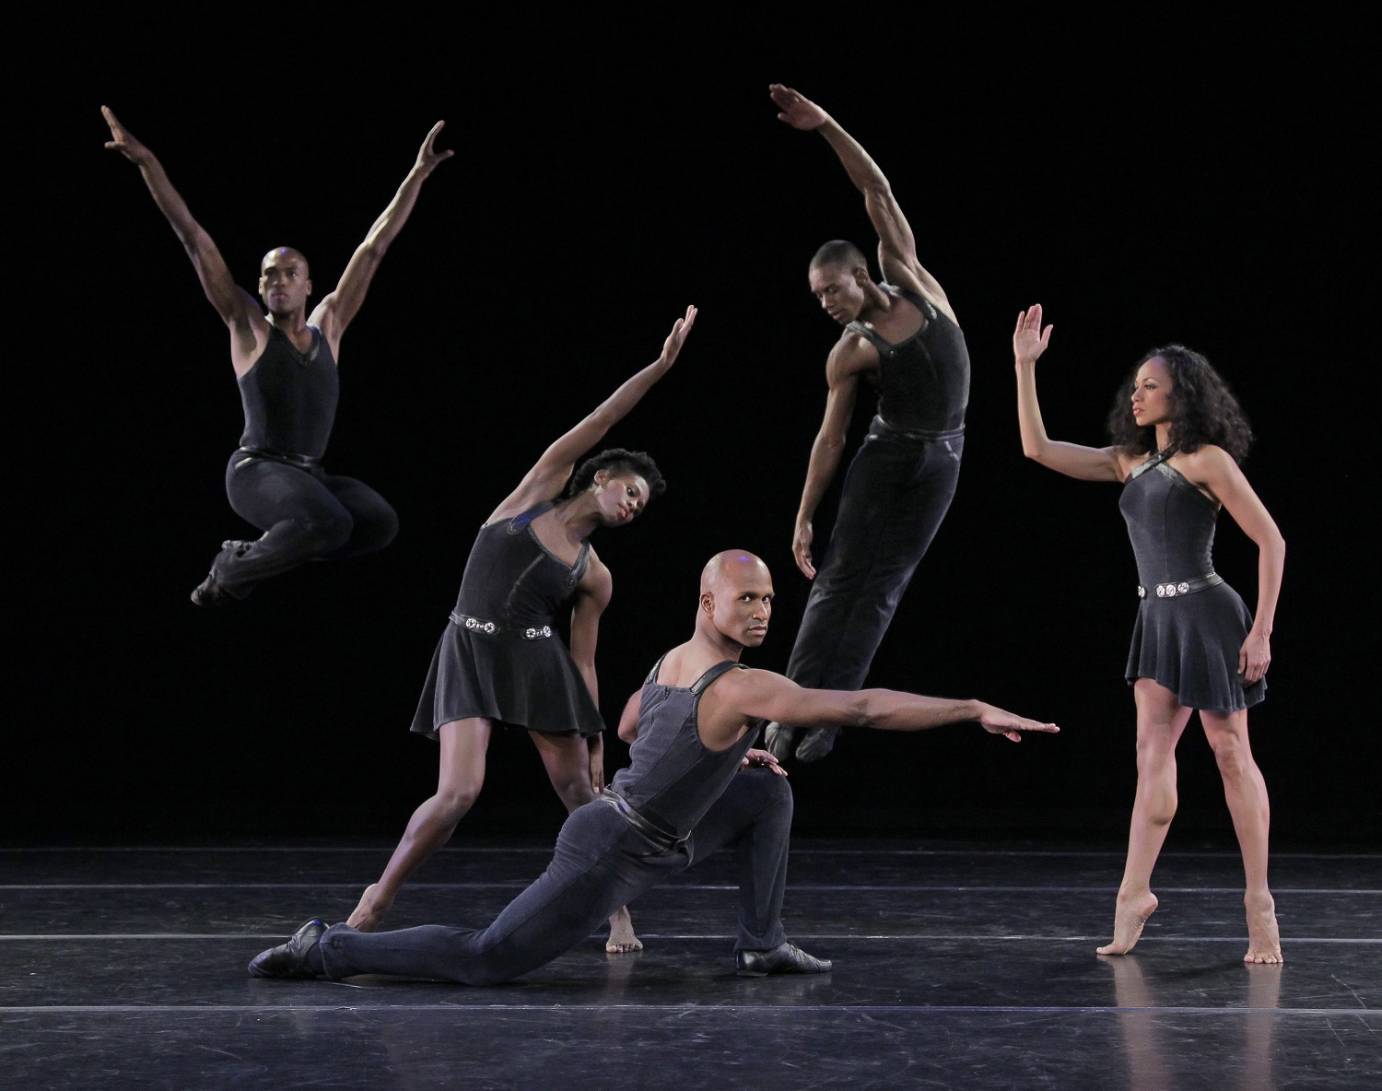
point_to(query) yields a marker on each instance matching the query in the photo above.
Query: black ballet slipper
(290, 959)
(211, 591)
(817, 743)
(785, 958)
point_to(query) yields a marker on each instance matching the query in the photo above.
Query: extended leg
(1246, 794)
(1160, 722)
(462, 774)
(599, 865)
(567, 760)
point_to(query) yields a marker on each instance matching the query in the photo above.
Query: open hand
(801, 549)
(122, 141)
(1029, 339)
(796, 109)
(680, 329)
(764, 759)
(427, 156)
(997, 721)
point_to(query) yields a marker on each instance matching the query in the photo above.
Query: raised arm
(235, 306)
(897, 247)
(768, 696)
(1214, 469)
(545, 480)
(339, 308)
(1071, 459)
(825, 452)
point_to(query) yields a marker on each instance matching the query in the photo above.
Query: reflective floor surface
(955, 967)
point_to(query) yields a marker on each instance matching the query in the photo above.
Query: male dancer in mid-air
(903, 337)
(682, 798)
(285, 364)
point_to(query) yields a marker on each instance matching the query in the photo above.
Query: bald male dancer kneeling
(683, 797)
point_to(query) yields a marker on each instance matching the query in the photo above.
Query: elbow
(627, 733)
(863, 711)
(1033, 451)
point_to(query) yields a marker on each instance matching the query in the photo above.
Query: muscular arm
(339, 308)
(1214, 469)
(549, 474)
(628, 719)
(825, 452)
(764, 695)
(1071, 459)
(235, 306)
(897, 249)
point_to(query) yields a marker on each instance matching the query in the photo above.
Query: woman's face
(621, 497)
(1151, 394)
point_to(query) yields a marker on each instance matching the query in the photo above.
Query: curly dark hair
(620, 461)
(1204, 408)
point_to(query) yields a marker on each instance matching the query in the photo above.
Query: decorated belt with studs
(493, 628)
(1180, 587)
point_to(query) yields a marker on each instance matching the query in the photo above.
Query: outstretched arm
(769, 696)
(339, 308)
(897, 247)
(235, 306)
(825, 453)
(1071, 459)
(545, 480)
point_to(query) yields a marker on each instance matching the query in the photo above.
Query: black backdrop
(1141, 200)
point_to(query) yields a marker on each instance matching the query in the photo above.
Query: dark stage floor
(955, 967)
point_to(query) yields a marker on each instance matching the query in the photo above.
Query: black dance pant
(600, 863)
(896, 494)
(305, 514)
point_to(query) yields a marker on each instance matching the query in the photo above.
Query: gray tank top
(673, 779)
(1170, 523)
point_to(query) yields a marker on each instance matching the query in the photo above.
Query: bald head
(283, 254)
(733, 568)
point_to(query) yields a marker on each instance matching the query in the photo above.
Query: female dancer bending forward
(1178, 435)
(500, 659)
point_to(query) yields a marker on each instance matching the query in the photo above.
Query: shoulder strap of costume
(917, 300)
(699, 685)
(884, 349)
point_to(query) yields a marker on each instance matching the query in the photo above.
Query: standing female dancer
(500, 660)
(1178, 435)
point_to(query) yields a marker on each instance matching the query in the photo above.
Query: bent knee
(327, 533)
(454, 802)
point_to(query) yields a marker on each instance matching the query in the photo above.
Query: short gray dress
(1190, 623)
(501, 656)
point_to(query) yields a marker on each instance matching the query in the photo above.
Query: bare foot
(1128, 919)
(1264, 941)
(621, 938)
(369, 914)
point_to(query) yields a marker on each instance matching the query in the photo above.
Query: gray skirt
(532, 684)
(1190, 645)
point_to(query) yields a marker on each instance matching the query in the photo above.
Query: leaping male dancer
(285, 364)
(682, 798)
(902, 336)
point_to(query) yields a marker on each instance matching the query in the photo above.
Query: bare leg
(1246, 794)
(462, 774)
(567, 760)
(1160, 721)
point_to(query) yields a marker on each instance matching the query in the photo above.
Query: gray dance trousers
(896, 494)
(600, 863)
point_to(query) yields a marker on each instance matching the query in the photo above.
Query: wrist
(973, 709)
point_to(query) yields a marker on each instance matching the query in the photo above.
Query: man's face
(283, 281)
(620, 497)
(838, 291)
(743, 603)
